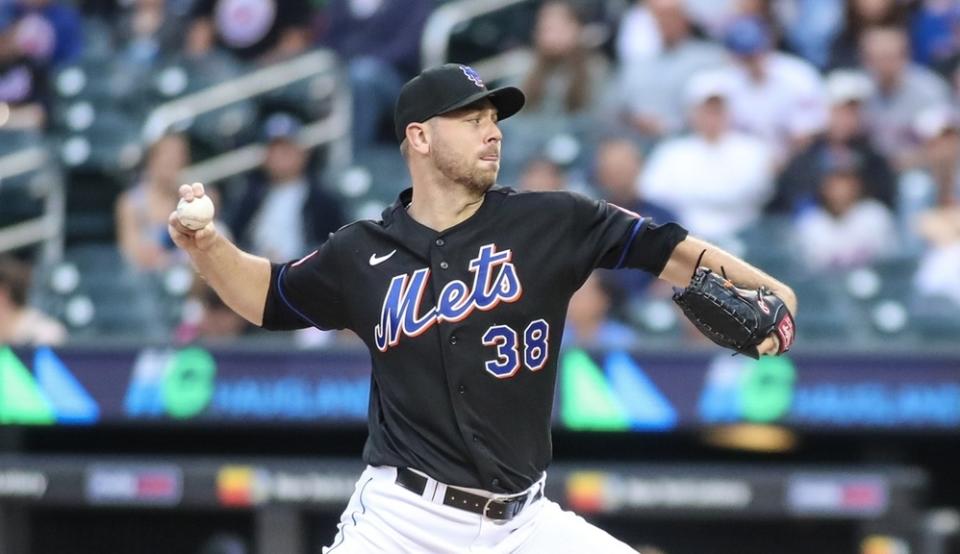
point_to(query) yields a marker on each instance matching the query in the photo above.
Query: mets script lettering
(494, 281)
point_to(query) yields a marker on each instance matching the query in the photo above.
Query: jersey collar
(398, 222)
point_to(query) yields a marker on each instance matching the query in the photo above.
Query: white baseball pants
(383, 517)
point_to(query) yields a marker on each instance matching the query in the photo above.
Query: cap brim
(507, 100)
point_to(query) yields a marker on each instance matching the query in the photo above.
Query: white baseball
(195, 214)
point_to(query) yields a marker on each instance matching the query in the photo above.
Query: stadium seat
(824, 312)
(121, 302)
(387, 170)
(936, 319)
(22, 197)
(111, 144)
(767, 246)
(91, 196)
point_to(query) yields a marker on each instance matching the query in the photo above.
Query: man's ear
(418, 137)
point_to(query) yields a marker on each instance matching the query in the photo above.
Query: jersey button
(440, 242)
(495, 482)
(476, 438)
(461, 389)
(453, 339)
(444, 265)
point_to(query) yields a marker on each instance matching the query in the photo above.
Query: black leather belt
(503, 509)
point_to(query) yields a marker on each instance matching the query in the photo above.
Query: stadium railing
(46, 228)
(333, 128)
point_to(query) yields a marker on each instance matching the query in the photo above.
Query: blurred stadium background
(817, 138)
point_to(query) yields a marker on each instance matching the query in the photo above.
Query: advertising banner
(596, 391)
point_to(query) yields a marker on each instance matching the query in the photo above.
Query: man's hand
(770, 346)
(187, 239)
(752, 322)
(693, 252)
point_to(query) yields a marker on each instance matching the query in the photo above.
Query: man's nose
(495, 135)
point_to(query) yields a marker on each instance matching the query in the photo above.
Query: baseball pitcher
(460, 292)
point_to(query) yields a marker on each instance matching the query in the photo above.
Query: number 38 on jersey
(494, 281)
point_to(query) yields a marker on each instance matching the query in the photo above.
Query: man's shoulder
(543, 200)
(742, 142)
(925, 81)
(355, 230)
(789, 66)
(700, 48)
(680, 145)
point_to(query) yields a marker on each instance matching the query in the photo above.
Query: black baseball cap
(445, 88)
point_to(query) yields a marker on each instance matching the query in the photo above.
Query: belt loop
(501, 521)
(430, 490)
(439, 492)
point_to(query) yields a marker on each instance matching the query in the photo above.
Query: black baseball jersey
(464, 325)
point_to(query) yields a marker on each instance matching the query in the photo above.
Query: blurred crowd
(814, 137)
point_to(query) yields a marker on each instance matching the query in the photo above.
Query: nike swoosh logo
(377, 260)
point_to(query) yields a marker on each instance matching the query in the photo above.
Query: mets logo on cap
(472, 74)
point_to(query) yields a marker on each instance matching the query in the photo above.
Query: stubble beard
(460, 171)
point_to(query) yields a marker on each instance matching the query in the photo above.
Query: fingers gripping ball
(195, 214)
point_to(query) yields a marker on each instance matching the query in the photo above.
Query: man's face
(670, 18)
(465, 145)
(710, 117)
(557, 31)
(944, 148)
(542, 175)
(167, 157)
(285, 160)
(845, 121)
(618, 164)
(8, 46)
(840, 192)
(884, 53)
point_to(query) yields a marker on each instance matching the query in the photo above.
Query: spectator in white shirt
(778, 97)
(715, 179)
(649, 92)
(939, 225)
(933, 186)
(845, 229)
(903, 88)
(638, 38)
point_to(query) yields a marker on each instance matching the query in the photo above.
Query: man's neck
(286, 181)
(442, 207)
(888, 86)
